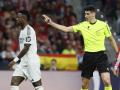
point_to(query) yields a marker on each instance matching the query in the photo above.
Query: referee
(94, 32)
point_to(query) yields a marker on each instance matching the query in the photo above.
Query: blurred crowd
(49, 40)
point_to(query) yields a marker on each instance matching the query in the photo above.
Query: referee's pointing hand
(47, 19)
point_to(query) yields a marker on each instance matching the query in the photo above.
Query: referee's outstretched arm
(57, 26)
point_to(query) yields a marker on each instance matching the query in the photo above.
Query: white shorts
(29, 69)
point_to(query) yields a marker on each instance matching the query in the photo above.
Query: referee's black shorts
(93, 60)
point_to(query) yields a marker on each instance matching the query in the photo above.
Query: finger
(10, 68)
(46, 19)
(114, 72)
(45, 16)
(117, 72)
(10, 65)
(42, 19)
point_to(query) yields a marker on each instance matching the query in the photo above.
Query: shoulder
(81, 23)
(29, 29)
(102, 22)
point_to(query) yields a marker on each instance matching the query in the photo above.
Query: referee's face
(89, 15)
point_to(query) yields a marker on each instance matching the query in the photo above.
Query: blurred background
(58, 51)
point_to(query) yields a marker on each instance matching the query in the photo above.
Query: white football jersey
(28, 36)
(29, 66)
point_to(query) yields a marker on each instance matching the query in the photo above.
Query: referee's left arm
(110, 37)
(113, 43)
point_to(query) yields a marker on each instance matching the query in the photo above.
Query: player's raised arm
(55, 25)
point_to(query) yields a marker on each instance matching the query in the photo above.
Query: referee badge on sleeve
(28, 39)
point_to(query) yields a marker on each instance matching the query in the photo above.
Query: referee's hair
(90, 8)
(26, 13)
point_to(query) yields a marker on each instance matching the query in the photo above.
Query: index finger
(45, 16)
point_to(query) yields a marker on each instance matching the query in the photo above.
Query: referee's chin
(86, 19)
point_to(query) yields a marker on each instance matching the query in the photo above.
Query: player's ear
(25, 18)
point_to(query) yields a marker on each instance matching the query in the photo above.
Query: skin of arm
(57, 26)
(61, 27)
(24, 50)
(21, 54)
(113, 43)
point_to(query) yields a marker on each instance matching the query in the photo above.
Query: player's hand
(46, 19)
(116, 65)
(116, 71)
(11, 64)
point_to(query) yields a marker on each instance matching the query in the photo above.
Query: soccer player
(94, 33)
(29, 66)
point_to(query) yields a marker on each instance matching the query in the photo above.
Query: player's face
(20, 18)
(89, 15)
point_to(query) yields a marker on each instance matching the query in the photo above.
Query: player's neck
(24, 25)
(93, 21)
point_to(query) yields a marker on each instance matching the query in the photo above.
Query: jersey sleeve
(107, 31)
(76, 28)
(29, 36)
